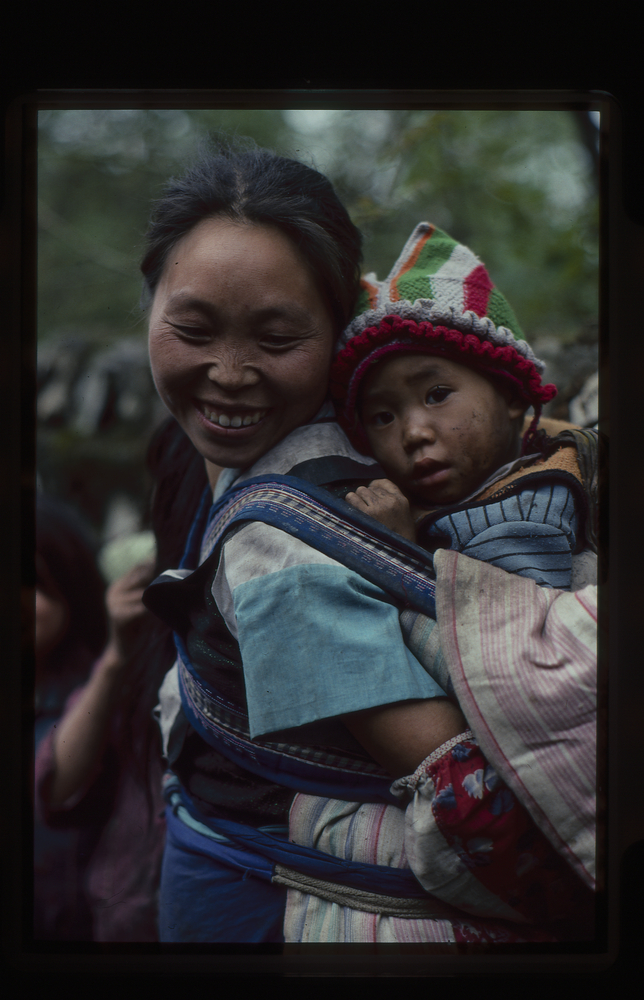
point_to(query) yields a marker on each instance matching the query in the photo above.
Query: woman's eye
(438, 394)
(190, 332)
(275, 341)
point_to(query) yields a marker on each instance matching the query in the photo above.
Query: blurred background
(519, 187)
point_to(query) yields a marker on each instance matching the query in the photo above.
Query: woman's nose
(232, 372)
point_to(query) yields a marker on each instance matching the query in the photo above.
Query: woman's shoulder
(319, 452)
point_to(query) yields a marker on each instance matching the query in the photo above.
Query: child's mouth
(428, 467)
(429, 473)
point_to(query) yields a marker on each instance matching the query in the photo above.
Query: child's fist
(383, 501)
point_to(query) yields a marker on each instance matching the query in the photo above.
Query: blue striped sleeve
(538, 551)
(532, 533)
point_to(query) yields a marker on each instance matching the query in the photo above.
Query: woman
(292, 673)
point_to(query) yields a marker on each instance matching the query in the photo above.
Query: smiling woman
(252, 273)
(241, 340)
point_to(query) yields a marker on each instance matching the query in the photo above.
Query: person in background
(71, 630)
(88, 784)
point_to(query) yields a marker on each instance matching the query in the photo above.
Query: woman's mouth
(232, 423)
(232, 418)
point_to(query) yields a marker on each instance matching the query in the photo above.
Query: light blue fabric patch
(320, 641)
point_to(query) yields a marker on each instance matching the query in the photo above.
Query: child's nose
(418, 430)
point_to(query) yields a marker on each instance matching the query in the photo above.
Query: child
(434, 378)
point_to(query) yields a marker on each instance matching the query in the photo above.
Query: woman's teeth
(237, 421)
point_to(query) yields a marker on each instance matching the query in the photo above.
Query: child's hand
(383, 501)
(125, 607)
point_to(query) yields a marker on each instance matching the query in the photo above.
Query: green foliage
(516, 186)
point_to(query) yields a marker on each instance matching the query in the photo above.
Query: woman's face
(240, 339)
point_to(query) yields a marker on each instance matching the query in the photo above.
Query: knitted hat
(438, 299)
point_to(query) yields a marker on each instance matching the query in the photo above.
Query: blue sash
(401, 568)
(295, 758)
(258, 851)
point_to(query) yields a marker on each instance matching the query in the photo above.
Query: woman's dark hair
(240, 181)
(66, 569)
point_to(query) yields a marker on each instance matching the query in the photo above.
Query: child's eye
(438, 394)
(382, 418)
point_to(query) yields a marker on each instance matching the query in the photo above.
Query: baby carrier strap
(295, 759)
(332, 526)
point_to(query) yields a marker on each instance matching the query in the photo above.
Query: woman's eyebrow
(183, 300)
(287, 310)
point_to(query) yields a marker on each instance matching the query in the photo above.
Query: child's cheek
(478, 441)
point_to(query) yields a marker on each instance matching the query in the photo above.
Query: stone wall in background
(573, 367)
(96, 409)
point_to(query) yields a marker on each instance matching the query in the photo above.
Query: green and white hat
(438, 299)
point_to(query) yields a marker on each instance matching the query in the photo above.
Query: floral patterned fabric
(472, 843)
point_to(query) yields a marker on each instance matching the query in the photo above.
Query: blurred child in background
(71, 630)
(92, 798)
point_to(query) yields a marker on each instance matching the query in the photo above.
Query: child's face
(439, 429)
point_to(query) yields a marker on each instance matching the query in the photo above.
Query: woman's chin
(238, 455)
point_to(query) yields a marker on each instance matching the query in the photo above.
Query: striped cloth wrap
(522, 662)
(499, 823)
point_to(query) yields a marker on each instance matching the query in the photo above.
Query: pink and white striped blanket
(522, 661)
